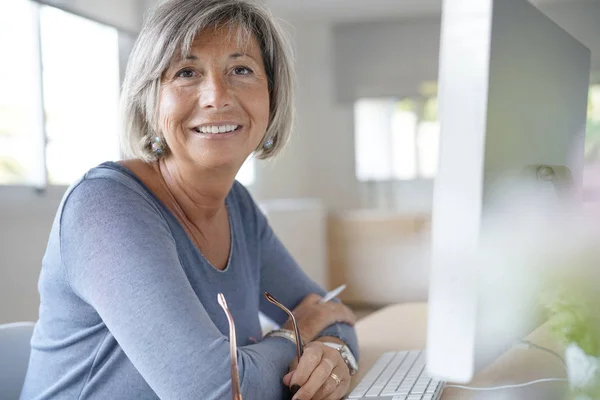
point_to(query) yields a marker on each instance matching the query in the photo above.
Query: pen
(331, 295)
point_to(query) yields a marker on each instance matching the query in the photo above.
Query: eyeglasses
(235, 375)
(299, 345)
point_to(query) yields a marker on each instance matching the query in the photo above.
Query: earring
(268, 144)
(158, 146)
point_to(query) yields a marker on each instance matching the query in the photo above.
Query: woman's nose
(214, 92)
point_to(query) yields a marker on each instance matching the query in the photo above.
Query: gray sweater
(129, 305)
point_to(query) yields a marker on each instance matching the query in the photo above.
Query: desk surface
(515, 366)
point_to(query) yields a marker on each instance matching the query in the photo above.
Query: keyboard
(398, 376)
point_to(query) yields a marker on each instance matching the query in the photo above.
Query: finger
(340, 389)
(318, 378)
(328, 387)
(287, 378)
(311, 358)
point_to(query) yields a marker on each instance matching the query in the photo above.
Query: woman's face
(214, 105)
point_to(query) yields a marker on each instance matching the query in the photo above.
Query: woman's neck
(199, 192)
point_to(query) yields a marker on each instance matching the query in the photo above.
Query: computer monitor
(513, 97)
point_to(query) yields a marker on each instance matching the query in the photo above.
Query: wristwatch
(346, 354)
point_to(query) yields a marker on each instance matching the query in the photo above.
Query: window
(59, 86)
(81, 93)
(592, 137)
(397, 139)
(591, 172)
(21, 134)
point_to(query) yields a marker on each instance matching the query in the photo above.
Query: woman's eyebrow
(234, 56)
(237, 55)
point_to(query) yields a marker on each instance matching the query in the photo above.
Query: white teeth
(216, 129)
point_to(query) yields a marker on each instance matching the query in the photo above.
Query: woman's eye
(242, 71)
(185, 73)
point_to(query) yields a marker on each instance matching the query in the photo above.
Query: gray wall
(393, 57)
(390, 58)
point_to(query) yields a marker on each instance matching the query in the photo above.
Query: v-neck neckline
(123, 169)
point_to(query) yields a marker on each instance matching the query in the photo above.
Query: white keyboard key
(383, 379)
(433, 386)
(400, 376)
(418, 390)
(372, 375)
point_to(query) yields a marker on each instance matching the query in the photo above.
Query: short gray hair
(169, 32)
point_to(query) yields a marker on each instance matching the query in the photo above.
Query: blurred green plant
(570, 298)
(574, 316)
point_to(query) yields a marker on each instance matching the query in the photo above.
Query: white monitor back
(512, 94)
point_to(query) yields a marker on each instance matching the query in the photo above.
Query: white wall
(319, 161)
(25, 221)
(390, 58)
(301, 225)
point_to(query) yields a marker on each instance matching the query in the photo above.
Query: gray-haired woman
(140, 249)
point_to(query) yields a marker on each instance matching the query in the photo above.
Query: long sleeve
(120, 257)
(283, 278)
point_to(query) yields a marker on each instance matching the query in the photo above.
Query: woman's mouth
(216, 129)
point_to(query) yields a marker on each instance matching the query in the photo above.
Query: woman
(139, 249)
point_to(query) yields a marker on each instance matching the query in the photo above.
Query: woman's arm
(283, 278)
(120, 257)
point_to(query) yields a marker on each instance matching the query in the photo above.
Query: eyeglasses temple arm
(235, 376)
(299, 345)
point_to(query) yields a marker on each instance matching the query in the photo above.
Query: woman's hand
(315, 376)
(312, 317)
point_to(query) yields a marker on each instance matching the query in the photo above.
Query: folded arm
(283, 278)
(121, 258)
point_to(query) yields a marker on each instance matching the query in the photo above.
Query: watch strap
(346, 354)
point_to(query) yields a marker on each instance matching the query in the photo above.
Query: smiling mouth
(215, 130)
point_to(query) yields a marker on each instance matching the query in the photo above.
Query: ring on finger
(335, 378)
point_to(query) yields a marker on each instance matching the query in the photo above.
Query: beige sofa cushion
(379, 255)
